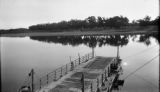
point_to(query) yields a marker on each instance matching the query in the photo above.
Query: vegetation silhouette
(90, 23)
(93, 41)
(90, 41)
(145, 38)
(93, 22)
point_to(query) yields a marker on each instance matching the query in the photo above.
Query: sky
(23, 13)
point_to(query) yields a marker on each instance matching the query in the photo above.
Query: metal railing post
(98, 90)
(47, 78)
(72, 66)
(40, 84)
(88, 56)
(66, 69)
(79, 59)
(55, 75)
(82, 83)
(91, 87)
(61, 72)
(105, 75)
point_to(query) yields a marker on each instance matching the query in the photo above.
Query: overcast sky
(23, 13)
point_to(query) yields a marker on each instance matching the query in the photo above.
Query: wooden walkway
(95, 71)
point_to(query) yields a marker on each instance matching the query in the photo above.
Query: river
(46, 53)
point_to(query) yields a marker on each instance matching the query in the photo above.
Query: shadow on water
(90, 41)
(145, 38)
(117, 82)
(93, 41)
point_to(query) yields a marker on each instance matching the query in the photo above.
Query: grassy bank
(95, 31)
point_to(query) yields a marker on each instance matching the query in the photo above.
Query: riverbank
(80, 33)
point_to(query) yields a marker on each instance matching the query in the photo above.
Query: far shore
(78, 33)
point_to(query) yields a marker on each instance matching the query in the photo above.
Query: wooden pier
(95, 75)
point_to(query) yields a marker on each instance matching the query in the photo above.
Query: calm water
(44, 54)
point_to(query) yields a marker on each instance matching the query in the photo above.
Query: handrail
(61, 71)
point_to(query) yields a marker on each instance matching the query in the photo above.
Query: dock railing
(61, 71)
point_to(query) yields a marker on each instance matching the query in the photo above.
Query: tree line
(94, 22)
(91, 23)
(146, 21)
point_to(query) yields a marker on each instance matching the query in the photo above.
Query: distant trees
(117, 22)
(134, 23)
(155, 22)
(100, 21)
(94, 22)
(18, 30)
(90, 22)
(146, 21)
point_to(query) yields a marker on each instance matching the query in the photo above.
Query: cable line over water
(141, 66)
(143, 79)
(140, 52)
(146, 80)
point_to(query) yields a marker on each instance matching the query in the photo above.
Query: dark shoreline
(74, 33)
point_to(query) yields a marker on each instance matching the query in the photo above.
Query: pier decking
(96, 76)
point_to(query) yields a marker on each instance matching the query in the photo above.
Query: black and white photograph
(79, 45)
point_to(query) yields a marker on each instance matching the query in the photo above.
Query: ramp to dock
(92, 70)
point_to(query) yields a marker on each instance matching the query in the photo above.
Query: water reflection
(93, 41)
(118, 82)
(145, 38)
(19, 55)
